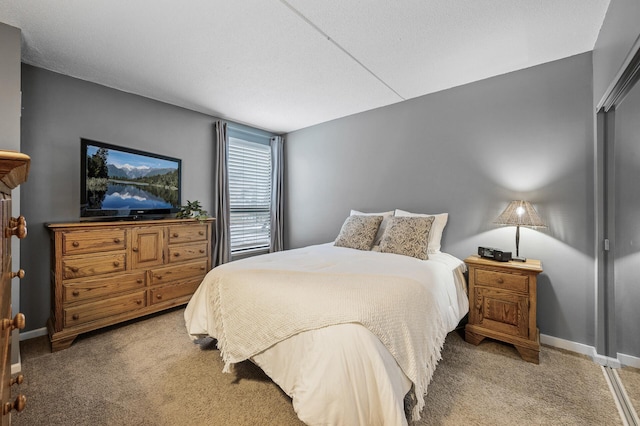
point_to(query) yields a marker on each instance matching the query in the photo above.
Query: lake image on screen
(118, 180)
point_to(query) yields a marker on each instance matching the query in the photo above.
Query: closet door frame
(605, 190)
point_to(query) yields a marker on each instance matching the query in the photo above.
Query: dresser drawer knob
(17, 322)
(19, 274)
(159, 277)
(176, 254)
(20, 230)
(200, 232)
(17, 227)
(500, 281)
(175, 235)
(18, 405)
(139, 302)
(139, 281)
(134, 249)
(116, 263)
(202, 268)
(75, 244)
(13, 222)
(202, 250)
(158, 296)
(18, 380)
(116, 240)
(75, 317)
(76, 293)
(74, 269)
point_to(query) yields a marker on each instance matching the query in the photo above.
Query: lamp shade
(520, 213)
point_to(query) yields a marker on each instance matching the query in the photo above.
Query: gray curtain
(222, 248)
(277, 193)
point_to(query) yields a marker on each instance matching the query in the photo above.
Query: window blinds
(249, 166)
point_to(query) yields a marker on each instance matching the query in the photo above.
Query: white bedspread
(341, 374)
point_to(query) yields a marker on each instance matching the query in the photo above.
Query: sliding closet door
(624, 149)
(627, 224)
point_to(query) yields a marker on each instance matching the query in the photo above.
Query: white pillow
(383, 225)
(436, 229)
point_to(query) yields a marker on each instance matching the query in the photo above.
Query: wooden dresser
(103, 273)
(502, 304)
(14, 168)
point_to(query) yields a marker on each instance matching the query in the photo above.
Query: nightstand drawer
(504, 280)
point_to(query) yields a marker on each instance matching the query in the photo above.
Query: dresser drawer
(184, 271)
(87, 312)
(97, 241)
(187, 233)
(80, 291)
(176, 292)
(181, 253)
(88, 266)
(504, 280)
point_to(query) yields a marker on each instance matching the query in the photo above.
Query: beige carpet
(148, 372)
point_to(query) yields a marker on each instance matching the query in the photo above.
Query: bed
(351, 335)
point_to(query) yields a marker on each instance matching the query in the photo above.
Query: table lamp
(520, 213)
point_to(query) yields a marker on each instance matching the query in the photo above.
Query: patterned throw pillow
(358, 232)
(408, 236)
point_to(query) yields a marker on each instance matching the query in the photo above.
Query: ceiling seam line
(335, 43)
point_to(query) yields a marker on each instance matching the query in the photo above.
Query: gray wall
(468, 151)
(617, 35)
(58, 111)
(9, 87)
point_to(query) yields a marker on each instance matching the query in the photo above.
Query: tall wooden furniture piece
(14, 168)
(502, 304)
(103, 273)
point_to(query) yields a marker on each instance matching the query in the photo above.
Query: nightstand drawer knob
(18, 380)
(18, 404)
(76, 293)
(500, 281)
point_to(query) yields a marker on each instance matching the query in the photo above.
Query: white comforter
(341, 374)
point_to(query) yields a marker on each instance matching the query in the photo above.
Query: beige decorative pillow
(358, 232)
(436, 229)
(408, 236)
(385, 220)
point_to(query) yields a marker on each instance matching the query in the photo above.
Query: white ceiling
(282, 65)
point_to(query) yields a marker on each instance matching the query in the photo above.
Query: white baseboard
(32, 334)
(629, 360)
(17, 367)
(590, 351)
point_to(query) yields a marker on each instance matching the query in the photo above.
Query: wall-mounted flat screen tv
(125, 183)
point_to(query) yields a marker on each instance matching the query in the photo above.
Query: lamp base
(519, 259)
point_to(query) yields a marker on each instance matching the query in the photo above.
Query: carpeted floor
(148, 372)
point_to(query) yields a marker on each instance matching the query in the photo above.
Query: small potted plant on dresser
(192, 210)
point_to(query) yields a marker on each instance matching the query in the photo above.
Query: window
(249, 196)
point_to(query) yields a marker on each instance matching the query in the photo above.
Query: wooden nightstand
(502, 304)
